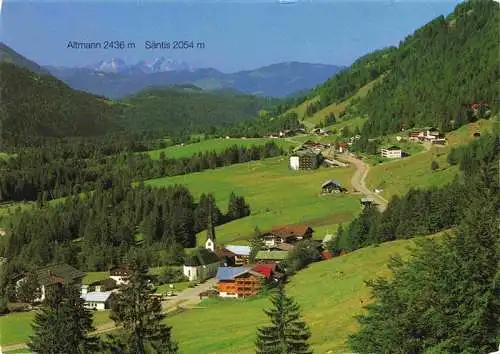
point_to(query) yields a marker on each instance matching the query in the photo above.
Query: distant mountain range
(117, 79)
(119, 66)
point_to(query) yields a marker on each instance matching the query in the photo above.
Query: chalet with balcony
(239, 282)
(287, 234)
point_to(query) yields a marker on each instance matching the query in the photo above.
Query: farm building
(120, 274)
(96, 300)
(392, 152)
(51, 277)
(238, 282)
(332, 187)
(305, 160)
(287, 234)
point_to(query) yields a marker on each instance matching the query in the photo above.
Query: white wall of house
(190, 272)
(391, 154)
(119, 279)
(226, 294)
(294, 162)
(99, 306)
(201, 272)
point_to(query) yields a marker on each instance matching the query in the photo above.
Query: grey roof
(97, 296)
(239, 250)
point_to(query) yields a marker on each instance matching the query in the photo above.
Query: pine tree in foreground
(63, 325)
(288, 333)
(141, 316)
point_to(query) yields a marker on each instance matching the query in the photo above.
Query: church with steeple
(203, 263)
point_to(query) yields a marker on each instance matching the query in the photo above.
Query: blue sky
(238, 35)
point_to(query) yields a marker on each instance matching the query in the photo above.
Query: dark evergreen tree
(141, 316)
(256, 244)
(63, 325)
(447, 284)
(288, 333)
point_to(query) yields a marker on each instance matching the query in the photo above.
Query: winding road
(358, 180)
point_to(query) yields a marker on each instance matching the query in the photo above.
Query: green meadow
(330, 294)
(276, 194)
(16, 327)
(216, 145)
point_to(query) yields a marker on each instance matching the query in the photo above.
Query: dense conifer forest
(93, 231)
(58, 170)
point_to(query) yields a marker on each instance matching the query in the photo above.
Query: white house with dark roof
(201, 265)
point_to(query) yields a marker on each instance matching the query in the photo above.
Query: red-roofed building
(266, 269)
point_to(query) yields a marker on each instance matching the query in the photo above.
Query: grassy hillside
(216, 145)
(276, 194)
(328, 299)
(337, 108)
(398, 176)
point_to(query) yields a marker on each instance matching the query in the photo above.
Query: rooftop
(229, 273)
(97, 296)
(47, 275)
(239, 250)
(271, 255)
(292, 229)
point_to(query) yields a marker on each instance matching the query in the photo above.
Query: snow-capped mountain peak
(161, 64)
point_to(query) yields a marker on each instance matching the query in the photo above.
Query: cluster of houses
(431, 135)
(285, 133)
(230, 264)
(310, 156)
(96, 295)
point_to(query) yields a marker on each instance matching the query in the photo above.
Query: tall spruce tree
(63, 325)
(141, 316)
(256, 244)
(288, 333)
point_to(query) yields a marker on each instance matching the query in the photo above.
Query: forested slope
(35, 106)
(178, 110)
(438, 72)
(430, 79)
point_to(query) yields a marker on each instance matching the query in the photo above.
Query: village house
(392, 152)
(305, 160)
(96, 300)
(238, 282)
(120, 274)
(331, 187)
(241, 253)
(287, 234)
(53, 276)
(367, 201)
